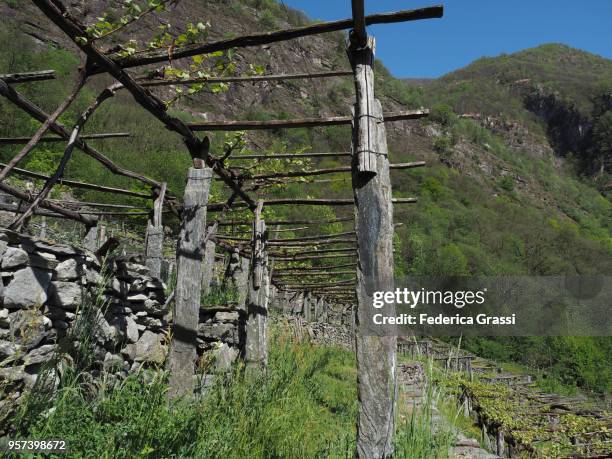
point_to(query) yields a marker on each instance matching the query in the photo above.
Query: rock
(150, 322)
(227, 316)
(148, 349)
(93, 277)
(4, 315)
(112, 362)
(60, 313)
(225, 357)
(8, 349)
(67, 295)
(28, 327)
(27, 289)
(39, 355)
(138, 298)
(68, 270)
(60, 324)
(14, 258)
(3, 247)
(218, 332)
(105, 333)
(131, 330)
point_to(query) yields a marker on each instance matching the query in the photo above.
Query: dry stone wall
(47, 290)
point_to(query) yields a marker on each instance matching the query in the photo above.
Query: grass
(305, 406)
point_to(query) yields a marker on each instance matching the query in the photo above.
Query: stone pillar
(209, 267)
(90, 240)
(154, 248)
(189, 256)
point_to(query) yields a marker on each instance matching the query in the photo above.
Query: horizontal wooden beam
(292, 155)
(25, 77)
(324, 286)
(331, 170)
(297, 123)
(24, 140)
(264, 38)
(324, 268)
(144, 81)
(314, 257)
(307, 274)
(306, 202)
(313, 252)
(75, 184)
(289, 222)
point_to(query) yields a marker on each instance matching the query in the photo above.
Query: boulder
(28, 327)
(27, 289)
(14, 258)
(39, 355)
(8, 350)
(227, 316)
(67, 295)
(4, 315)
(112, 362)
(148, 349)
(225, 356)
(131, 330)
(68, 270)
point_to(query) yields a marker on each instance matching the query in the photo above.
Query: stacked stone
(47, 287)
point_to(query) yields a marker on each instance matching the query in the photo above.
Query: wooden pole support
(374, 226)
(189, 255)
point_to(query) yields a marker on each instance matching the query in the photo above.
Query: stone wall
(50, 292)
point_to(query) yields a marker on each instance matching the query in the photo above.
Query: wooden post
(155, 236)
(189, 255)
(43, 227)
(237, 275)
(374, 226)
(257, 311)
(209, 266)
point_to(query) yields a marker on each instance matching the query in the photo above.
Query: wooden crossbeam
(308, 202)
(144, 81)
(297, 123)
(264, 38)
(292, 155)
(25, 77)
(289, 222)
(324, 268)
(314, 257)
(75, 184)
(324, 286)
(24, 140)
(331, 170)
(314, 252)
(302, 274)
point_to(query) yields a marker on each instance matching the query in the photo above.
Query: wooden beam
(314, 268)
(291, 155)
(358, 34)
(146, 82)
(264, 38)
(315, 252)
(24, 140)
(75, 184)
(331, 170)
(25, 77)
(315, 257)
(290, 222)
(309, 202)
(315, 274)
(297, 123)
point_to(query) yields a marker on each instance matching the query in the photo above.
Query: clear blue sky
(474, 28)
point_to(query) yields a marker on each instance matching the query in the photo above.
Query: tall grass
(305, 406)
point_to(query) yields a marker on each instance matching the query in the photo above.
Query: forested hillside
(518, 148)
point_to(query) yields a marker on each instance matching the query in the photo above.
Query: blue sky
(474, 28)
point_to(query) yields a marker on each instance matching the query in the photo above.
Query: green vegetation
(305, 406)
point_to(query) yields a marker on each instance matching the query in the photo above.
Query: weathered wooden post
(208, 268)
(189, 256)
(155, 236)
(374, 227)
(257, 311)
(154, 242)
(237, 275)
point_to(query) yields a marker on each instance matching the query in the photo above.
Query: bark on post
(374, 227)
(257, 301)
(155, 236)
(190, 253)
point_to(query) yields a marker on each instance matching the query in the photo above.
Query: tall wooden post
(256, 327)
(155, 236)
(189, 256)
(374, 226)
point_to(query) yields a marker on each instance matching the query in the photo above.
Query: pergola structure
(352, 263)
